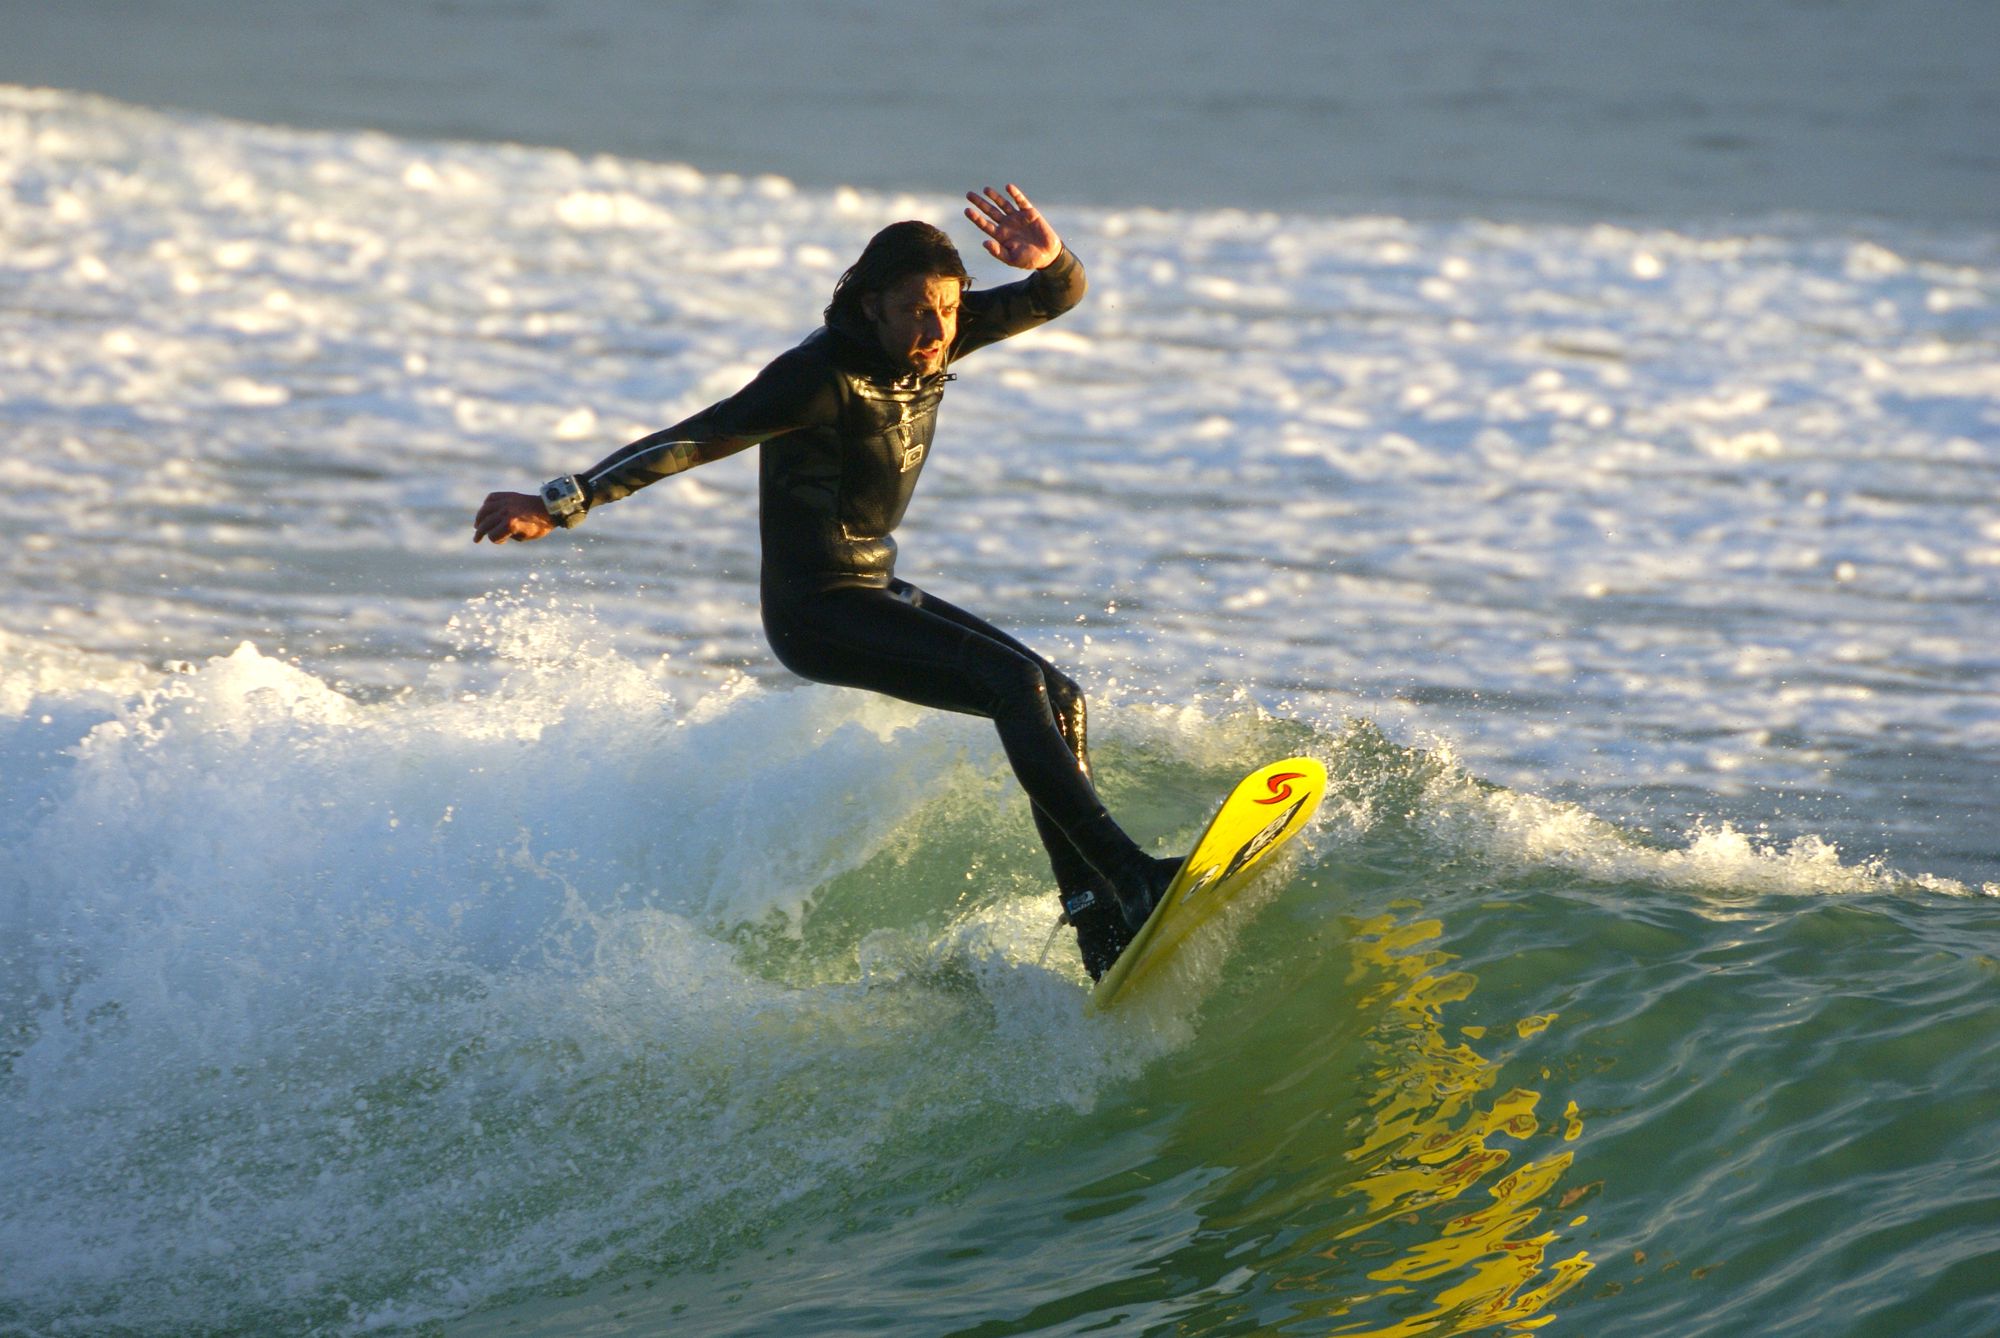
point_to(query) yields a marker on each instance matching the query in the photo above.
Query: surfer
(845, 421)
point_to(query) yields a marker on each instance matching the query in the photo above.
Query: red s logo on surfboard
(1281, 786)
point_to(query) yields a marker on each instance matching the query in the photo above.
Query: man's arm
(1017, 235)
(564, 500)
(789, 394)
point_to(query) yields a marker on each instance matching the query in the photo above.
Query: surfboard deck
(1265, 810)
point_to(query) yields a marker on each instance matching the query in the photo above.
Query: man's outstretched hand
(511, 515)
(1016, 232)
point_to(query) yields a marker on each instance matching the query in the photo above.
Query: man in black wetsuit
(845, 420)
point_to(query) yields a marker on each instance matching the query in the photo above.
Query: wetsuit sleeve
(793, 392)
(992, 314)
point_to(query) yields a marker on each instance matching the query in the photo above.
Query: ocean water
(398, 936)
(1544, 109)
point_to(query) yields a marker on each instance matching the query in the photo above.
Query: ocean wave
(556, 983)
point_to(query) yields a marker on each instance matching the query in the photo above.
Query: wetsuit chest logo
(910, 448)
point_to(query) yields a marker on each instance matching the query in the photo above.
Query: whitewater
(398, 935)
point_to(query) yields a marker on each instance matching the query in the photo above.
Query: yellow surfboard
(1266, 809)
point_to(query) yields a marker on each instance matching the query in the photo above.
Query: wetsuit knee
(793, 648)
(1014, 683)
(1072, 717)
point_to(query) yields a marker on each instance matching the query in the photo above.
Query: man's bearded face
(916, 320)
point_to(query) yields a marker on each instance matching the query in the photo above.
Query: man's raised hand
(1016, 232)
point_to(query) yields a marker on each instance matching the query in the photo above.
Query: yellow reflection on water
(1447, 1231)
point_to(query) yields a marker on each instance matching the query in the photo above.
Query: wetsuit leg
(1073, 872)
(909, 645)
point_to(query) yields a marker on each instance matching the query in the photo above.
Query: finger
(493, 525)
(992, 204)
(1026, 215)
(983, 219)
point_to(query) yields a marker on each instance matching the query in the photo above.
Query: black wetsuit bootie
(1140, 890)
(1100, 927)
(1107, 919)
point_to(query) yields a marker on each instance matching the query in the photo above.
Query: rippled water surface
(398, 936)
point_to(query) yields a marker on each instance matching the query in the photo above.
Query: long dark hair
(891, 256)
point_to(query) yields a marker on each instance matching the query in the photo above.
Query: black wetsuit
(845, 433)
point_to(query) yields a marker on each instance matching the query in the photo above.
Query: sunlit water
(397, 935)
